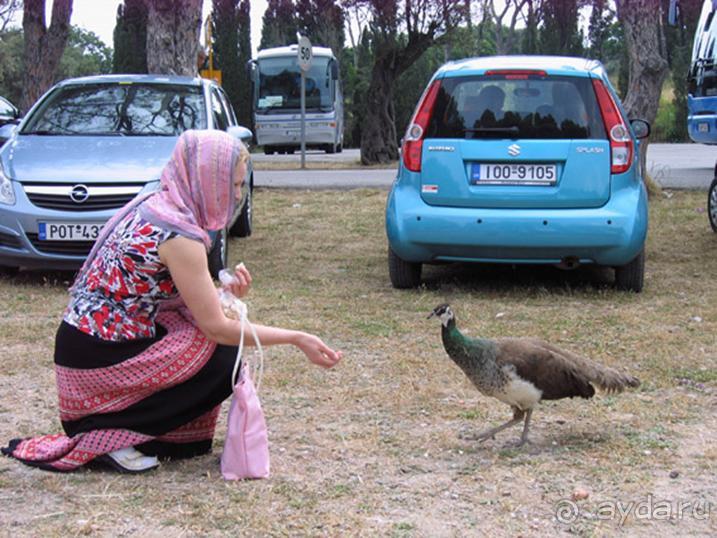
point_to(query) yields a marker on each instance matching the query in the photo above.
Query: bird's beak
(430, 315)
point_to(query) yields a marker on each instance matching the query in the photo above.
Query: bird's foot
(519, 443)
(477, 436)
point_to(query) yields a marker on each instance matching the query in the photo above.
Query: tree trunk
(378, 136)
(648, 68)
(173, 29)
(43, 46)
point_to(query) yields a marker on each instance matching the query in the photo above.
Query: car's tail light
(516, 74)
(621, 146)
(413, 141)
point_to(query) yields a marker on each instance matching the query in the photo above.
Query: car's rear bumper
(610, 235)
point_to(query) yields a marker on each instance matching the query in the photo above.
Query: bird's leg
(526, 426)
(517, 417)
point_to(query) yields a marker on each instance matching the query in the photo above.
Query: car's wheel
(712, 204)
(290, 151)
(403, 274)
(330, 148)
(339, 148)
(243, 225)
(631, 277)
(218, 254)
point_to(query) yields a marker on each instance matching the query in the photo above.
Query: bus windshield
(279, 85)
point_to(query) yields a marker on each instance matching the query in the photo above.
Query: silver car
(90, 145)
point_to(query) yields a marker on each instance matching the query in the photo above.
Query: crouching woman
(144, 354)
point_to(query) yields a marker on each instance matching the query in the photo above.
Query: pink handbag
(246, 448)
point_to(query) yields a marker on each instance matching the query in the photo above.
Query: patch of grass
(372, 447)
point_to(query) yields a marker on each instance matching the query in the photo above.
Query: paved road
(675, 166)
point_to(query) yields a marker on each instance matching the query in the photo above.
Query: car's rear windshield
(120, 109)
(505, 106)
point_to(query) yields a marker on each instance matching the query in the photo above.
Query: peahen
(523, 371)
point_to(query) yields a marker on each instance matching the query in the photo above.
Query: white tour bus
(276, 101)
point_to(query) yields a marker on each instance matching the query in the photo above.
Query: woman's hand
(242, 281)
(316, 351)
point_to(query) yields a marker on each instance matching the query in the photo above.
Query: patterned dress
(132, 368)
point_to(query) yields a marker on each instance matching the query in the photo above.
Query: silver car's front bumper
(20, 244)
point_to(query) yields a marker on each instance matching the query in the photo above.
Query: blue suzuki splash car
(519, 160)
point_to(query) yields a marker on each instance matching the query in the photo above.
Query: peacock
(523, 371)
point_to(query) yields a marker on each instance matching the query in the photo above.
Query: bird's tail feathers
(604, 378)
(609, 380)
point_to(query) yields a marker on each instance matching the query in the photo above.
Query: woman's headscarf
(196, 190)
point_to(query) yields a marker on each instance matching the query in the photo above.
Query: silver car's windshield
(119, 109)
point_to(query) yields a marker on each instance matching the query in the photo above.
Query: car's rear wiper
(513, 130)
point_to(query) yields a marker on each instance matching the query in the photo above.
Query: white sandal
(129, 460)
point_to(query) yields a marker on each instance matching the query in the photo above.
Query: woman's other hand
(316, 351)
(242, 281)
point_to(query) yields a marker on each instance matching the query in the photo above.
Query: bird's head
(444, 313)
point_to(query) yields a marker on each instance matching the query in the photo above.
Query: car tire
(243, 225)
(712, 204)
(403, 274)
(339, 148)
(631, 277)
(330, 148)
(217, 256)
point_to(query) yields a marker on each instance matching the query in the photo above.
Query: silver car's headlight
(7, 194)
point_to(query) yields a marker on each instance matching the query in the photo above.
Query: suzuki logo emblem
(79, 194)
(514, 150)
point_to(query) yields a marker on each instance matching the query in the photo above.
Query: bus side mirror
(251, 70)
(334, 71)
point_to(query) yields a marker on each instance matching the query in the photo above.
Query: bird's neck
(467, 352)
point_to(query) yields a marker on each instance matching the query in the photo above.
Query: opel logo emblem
(514, 150)
(79, 194)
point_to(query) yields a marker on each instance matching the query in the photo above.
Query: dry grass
(372, 447)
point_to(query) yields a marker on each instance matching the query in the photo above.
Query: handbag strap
(251, 368)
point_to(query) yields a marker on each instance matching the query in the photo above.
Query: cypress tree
(130, 38)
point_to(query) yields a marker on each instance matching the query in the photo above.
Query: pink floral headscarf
(196, 191)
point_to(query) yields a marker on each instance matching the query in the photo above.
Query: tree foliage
(400, 33)
(279, 24)
(130, 38)
(232, 50)
(322, 21)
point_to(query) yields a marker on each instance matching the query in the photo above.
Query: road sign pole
(303, 120)
(304, 58)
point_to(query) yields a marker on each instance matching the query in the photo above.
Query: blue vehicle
(702, 88)
(519, 160)
(89, 146)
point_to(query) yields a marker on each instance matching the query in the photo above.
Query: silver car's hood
(87, 159)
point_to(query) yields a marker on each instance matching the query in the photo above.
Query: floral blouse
(118, 297)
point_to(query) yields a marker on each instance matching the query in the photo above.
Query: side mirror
(334, 70)
(6, 131)
(242, 133)
(251, 70)
(641, 128)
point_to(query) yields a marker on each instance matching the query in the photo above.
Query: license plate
(703, 127)
(513, 174)
(69, 231)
